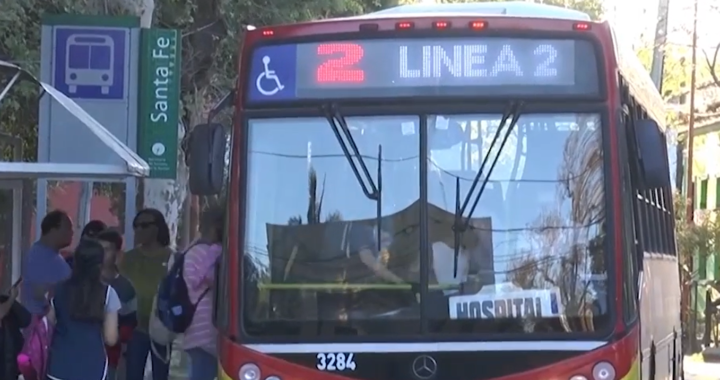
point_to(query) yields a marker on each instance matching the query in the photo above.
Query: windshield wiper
(344, 138)
(461, 224)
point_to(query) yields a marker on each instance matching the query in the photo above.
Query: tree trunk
(168, 196)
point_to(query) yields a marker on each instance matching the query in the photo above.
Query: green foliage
(20, 43)
(677, 68)
(215, 26)
(702, 236)
(212, 32)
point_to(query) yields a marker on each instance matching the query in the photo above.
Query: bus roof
(505, 9)
(639, 80)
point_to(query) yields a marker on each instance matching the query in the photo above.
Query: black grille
(450, 365)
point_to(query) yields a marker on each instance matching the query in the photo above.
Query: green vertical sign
(159, 101)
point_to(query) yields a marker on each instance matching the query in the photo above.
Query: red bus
(453, 191)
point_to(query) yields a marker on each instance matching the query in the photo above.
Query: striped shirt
(199, 274)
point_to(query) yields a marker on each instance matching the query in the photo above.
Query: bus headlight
(578, 377)
(273, 377)
(603, 371)
(249, 371)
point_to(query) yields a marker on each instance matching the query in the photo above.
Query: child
(112, 242)
(91, 230)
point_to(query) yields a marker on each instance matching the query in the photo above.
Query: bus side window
(669, 213)
(668, 217)
(639, 209)
(630, 271)
(635, 210)
(221, 309)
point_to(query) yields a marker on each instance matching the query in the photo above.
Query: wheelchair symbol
(268, 74)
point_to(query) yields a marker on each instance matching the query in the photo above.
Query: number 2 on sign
(333, 361)
(339, 67)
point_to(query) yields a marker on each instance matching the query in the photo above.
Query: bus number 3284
(335, 361)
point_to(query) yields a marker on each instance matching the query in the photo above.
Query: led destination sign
(422, 67)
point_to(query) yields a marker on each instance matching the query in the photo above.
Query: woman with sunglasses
(145, 266)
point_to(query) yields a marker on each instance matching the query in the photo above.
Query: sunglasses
(143, 225)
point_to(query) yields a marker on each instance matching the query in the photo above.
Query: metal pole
(691, 124)
(658, 57)
(84, 206)
(9, 85)
(689, 213)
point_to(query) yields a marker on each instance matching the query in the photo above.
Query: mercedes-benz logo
(424, 367)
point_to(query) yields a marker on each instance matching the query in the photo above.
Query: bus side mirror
(206, 149)
(652, 153)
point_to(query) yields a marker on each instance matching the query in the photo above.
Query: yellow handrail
(348, 286)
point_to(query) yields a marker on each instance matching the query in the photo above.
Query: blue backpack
(174, 308)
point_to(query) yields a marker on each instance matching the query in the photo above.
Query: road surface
(695, 370)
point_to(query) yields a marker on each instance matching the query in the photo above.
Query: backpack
(33, 358)
(173, 306)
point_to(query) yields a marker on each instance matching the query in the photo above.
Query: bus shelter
(16, 176)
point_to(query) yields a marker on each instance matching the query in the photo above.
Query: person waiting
(85, 312)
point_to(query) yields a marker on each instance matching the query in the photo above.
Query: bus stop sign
(90, 63)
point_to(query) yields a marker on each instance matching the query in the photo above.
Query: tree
(314, 210)
(710, 56)
(676, 70)
(592, 7)
(676, 73)
(20, 28)
(211, 33)
(701, 237)
(677, 57)
(695, 242)
(712, 61)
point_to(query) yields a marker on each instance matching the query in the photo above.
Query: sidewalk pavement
(695, 370)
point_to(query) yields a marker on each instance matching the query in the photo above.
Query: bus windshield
(324, 259)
